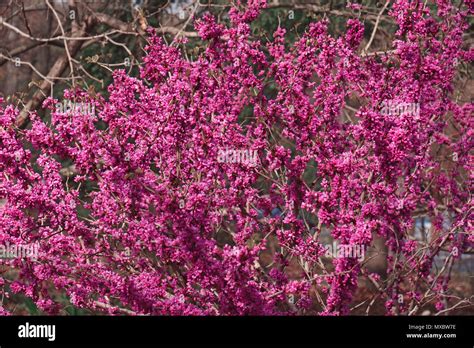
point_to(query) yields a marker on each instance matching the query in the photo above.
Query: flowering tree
(153, 219)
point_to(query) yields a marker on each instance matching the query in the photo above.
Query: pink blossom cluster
(150, 222)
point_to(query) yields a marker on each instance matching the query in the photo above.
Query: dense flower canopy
(151, 222)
